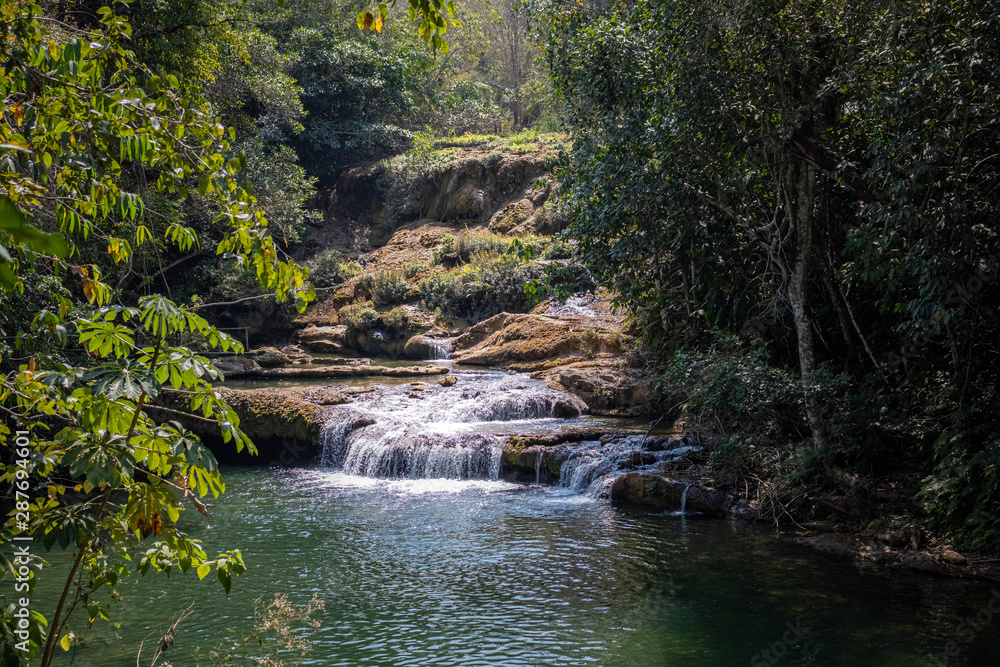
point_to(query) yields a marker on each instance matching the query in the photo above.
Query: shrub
(386, 288)
(411, 269)
(359, 317)
(397, 323)
(485, 243)
(739, 391)
(327, 268)
(373, 332)
(482, 288)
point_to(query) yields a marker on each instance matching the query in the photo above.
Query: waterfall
(439, 348)
(538, 467)
(684, 497)
(592, 467)
(427, 431)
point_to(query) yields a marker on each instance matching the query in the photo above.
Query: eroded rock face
(531, 342)
(607, 388)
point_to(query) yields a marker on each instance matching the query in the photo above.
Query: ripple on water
(501, 575)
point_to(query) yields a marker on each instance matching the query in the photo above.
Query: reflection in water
(478, 572)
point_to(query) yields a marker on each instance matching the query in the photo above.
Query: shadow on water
(479, 572)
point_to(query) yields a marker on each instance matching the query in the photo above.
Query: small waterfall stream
(440, 348)
(592, 466)
(424, 431)
(432, 432)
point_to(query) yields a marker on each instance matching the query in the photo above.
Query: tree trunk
(803, 178)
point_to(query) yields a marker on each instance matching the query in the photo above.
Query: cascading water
(431, 432)
(439, 349)
(592, 466)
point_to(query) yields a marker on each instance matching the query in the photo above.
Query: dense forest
(793, 203)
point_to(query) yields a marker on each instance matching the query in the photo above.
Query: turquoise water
(444, 572)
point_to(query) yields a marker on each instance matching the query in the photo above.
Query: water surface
(479, 572)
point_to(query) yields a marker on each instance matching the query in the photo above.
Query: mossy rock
(505, 220)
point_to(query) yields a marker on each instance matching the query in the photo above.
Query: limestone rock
(524, 341)
(669, 494)
(349, 371)
(417, 347)
(237, 367)
(953, 557)
(512, 215)
(269, 357)
(448, 381)
(605, 388)
(328, 339)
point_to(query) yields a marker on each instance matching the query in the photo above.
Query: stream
(424, 556)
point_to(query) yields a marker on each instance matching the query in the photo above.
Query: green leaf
(12, 221)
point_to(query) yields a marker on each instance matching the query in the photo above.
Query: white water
(440, 348)
(438, 432)
(426, 432)
(592, 467)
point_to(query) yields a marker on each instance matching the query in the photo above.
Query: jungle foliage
(820, 179)
(152, 150)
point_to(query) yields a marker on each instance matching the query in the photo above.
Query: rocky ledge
(868, 551)
(320, 368)
(532, 342)
(691, 495)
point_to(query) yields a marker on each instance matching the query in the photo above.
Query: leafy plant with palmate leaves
(114, 475)
(104, 397)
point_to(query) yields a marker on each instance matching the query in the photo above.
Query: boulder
(530, 342)
(669, 494)
(269, 357)
(606, 388)
(448, 381)
(296, 355)
(329, 339)
(417, 347)
(236, 367)
(953, 557)
(506, 219)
